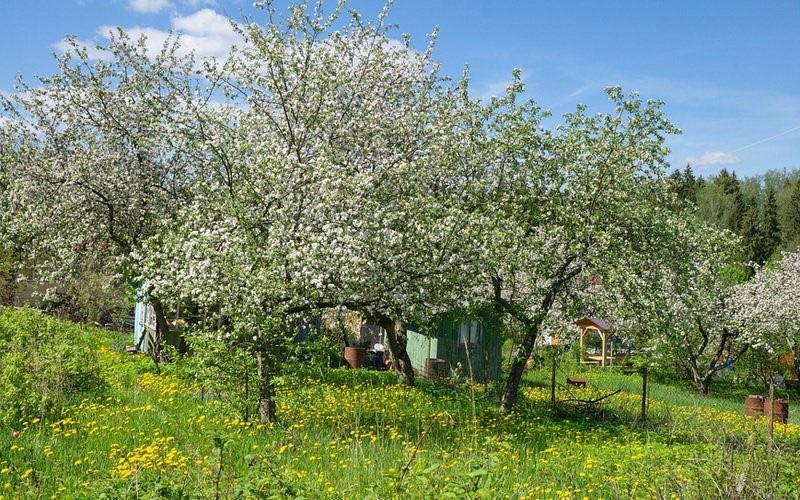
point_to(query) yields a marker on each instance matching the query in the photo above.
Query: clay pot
(354, 356)
(754, 406)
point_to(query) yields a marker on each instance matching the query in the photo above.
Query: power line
(760, 141)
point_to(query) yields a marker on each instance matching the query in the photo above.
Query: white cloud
(149, 6)
(206, 33)
(198, 3)
(711, 158)
(204, 22)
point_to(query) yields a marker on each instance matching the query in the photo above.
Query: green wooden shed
(460, 341)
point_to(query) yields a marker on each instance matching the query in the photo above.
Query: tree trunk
(520, 356)
(532, 324)
(162, 329)
(700, 379)
(8, 278)
(8, 289)
(246, 394)
(644, 394)
(553, 379)
(396, 338)
(770, 420)
(266, 390)
(797, 369)
(703, 385)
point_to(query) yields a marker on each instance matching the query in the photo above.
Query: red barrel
(780, 410)
(754, 406)
(435, 368)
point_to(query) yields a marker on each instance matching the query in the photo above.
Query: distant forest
(763, 210)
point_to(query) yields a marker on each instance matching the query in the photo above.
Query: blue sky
(728, 70)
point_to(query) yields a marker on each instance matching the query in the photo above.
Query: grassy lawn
(358, 434)
(724, 395)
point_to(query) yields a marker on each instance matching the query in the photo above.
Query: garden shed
(144, 328)
(459, 340)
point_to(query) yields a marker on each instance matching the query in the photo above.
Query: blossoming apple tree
(698, 329)
(768, 306)
(580, 204)
(340, 178)
(98, 159)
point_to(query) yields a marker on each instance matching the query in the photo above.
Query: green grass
(357, 434)
(724, 394)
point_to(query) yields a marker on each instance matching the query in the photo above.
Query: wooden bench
(577, 381)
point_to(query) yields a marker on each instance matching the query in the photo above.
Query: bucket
(754, 406)
(780, 410)
(354, 356)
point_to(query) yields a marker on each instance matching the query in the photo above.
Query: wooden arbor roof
(597, 323)
(588, 324)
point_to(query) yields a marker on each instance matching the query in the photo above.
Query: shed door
(470, 335)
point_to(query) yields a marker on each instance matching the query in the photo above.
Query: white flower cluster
(319, 168)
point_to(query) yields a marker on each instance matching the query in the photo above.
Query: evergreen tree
(699, 185)
(684, 184)
(749, 231)
(733, 219)
(689, 184)
(792, 214)
(676, 183)
(769, 227)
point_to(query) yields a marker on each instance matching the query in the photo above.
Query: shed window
(469, 332)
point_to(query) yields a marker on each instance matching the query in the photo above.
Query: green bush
(45, 364)
(8, 282)
(224, 376)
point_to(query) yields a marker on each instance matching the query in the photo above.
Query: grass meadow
(358, 434)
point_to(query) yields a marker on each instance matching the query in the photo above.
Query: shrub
(227, 377)
(8, 282)
(44, 365)
(91, 296)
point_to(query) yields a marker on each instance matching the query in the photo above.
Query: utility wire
(760, 141)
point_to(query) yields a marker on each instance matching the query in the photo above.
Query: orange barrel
(754, 406)
(355, 356)
(780, 410)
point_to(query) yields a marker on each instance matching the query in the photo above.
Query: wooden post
(644, 394)
(602, 349)
(771, 401)
(611, 355)
(583, 350)
(553, 378)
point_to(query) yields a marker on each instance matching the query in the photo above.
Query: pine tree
(769, 228)
(730, 186)
(689, 184)
(684, 184)
(749, 231)
(792, 214)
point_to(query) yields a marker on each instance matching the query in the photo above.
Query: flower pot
(354, 356)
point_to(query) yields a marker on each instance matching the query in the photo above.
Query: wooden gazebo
(589, 325)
